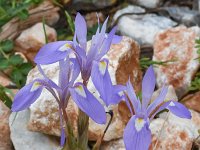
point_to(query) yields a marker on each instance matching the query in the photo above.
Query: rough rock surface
(5, 141)
(176, 134)
(32, 39)
(147, 3)
(192, 101)
(4, 81)
(176, 45)
(23, 139)
(142, 28)
(44, 112)
(113, 145)
(184, 15)
(92, 5)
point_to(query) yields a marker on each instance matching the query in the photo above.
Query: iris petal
(81, 30)
(25, 97)
(50, 53)
(132, 96)
(137, 135)
(88, 103)
(148, 86)
(158, 100)
(179, 110)
(116, 39)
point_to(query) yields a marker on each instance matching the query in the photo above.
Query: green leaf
(16, 60)
(6, 45)
(17, 77)
(70, 22)
(4, 97)
(4, 64)
(25, 68)
(23, 14)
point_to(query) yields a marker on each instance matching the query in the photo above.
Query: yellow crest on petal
(65, 47)
(139, 123)
(102, 67)
(35, 86)
(80, 90)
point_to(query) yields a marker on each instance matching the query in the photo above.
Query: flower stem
(71, 142)
(83, 124)
(98, 143)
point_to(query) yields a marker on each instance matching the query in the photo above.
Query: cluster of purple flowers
(74, 58)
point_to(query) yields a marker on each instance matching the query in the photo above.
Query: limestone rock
(44, 112)
(184, 15)
(5, 141)
(32, 39)
(147, 3)
(124, 60)
(192, 101)
(176, 45)
(92, 5)
(24, 139)
(142, 28)
(113, 145)
(4, 81)
(176, 133)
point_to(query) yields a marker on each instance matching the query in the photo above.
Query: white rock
(32, 39)
(142, 28)
(147, 3)
(23, 139)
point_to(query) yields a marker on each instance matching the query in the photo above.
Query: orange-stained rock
(192, 101)
(44, 112)
(4, 80)
(125, 62)
(5, 141)
(32, 39)
(178, 45)
(176, 134)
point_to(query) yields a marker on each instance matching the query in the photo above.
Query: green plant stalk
(4, 54)
(83, 124)
(70, 22)
(100, 139)
(71, 142)
(4, 97)
(45, 33)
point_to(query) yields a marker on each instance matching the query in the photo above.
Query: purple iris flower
(69, 71)
(137, 135)
(109, 93)
(100, 44)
